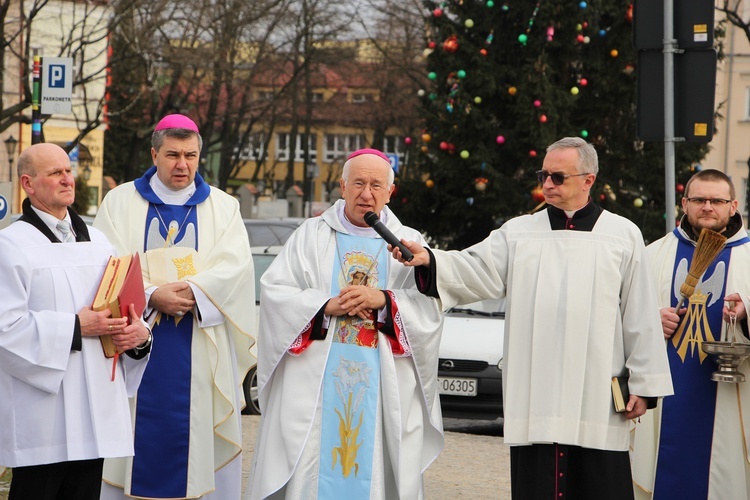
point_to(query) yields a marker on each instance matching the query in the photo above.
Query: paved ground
(474, 464)
(471, 466)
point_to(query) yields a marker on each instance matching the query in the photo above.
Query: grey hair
(588, 160)
(157, 138)
(25, 164)
(347, 167)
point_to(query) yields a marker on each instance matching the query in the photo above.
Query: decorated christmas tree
(505, 79)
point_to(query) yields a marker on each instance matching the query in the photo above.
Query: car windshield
(265, 233)
(489, 308)
(261, 262)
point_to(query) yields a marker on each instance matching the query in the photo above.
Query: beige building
(357, 102)
(730, 147)
(62, 28)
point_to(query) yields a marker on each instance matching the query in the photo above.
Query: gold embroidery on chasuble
(694, 329)
(184, 266)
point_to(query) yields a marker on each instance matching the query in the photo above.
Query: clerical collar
(199, 190)
(733, 226)
(51, 221)
(170, 196)
(582, 220)
(367, 232)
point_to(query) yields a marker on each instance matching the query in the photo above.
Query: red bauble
(543, 119)
(443, 145)
(437, 12)
(431, 44)
(451, 44)
(680, 188)
(537, 194)
(483, 52)
(532, 153)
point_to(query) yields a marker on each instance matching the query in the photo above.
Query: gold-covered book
(120, 286)
(620, 393)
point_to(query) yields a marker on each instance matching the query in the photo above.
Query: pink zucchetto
(177, 121)
(368, 151)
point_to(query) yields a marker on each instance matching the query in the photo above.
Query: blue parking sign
(393, 158)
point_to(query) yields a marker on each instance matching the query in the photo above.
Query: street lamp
(10, 148)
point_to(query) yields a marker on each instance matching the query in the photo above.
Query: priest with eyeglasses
(705, 420)
(580, 311)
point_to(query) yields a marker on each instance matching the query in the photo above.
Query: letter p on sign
(57, 76)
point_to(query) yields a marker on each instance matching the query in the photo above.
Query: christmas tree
(504, 81)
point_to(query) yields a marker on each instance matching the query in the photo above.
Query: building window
(338, 146)
(317, 97)
(282, 147)
(359, 98)
(265, 96)
(392, 145)
(254, 147)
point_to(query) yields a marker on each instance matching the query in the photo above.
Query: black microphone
(372, 220)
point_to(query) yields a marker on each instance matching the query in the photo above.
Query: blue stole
(351, 382)
(688, 417)
(162, 419)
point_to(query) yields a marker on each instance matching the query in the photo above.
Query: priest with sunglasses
(580, 311)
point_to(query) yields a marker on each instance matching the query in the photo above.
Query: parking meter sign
(6, 191)
(57, 85)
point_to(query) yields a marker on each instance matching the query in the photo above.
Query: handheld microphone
(372, 220)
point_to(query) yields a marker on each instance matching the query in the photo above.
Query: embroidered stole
(162, 420)
(688, 417)
(351, 383)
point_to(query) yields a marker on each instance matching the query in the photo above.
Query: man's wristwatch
(146, 344)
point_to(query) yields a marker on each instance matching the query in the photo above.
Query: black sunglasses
(557, 178)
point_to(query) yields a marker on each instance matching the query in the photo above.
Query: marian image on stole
(352, 377)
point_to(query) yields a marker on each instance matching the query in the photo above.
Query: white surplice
(57, 405)
(580, 310)
(409, 433)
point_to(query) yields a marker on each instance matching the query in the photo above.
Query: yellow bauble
(429, 183)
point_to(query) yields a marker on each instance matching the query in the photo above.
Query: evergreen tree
(507, 79)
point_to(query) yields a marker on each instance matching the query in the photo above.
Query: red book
(131, 291)
(121, 285)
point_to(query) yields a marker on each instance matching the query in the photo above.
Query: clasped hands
(127, 333)
(174, 299)
(355, 300)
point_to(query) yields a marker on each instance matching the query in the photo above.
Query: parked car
(270, 232)
(470, 373)
(267, 236)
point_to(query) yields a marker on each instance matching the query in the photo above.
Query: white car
(266, 236)
(470, 367)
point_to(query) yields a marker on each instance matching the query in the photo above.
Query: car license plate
(458, 386)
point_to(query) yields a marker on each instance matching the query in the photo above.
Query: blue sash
(688, 416)
(162, 421)
(351, 383)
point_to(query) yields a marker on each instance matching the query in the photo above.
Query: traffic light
(694, 69)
